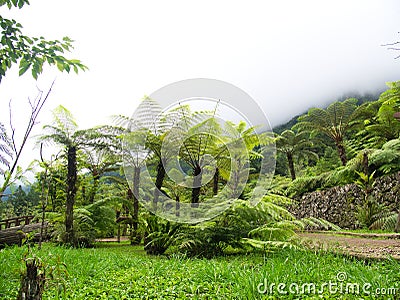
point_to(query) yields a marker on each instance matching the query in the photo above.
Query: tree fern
(334, 122)
(294, 145)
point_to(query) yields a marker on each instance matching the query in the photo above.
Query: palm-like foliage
(64, 132)
(98, 162)
(293, 144)
(138, 129)
(192, 140)
(387, 159)
(376, 124)
(392, 95)
(334, 122)
(232, 136)
(383, 127)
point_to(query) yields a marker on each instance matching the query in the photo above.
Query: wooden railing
(14, 222)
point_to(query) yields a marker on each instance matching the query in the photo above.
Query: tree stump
(32, 282)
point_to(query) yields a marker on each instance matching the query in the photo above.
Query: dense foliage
(354, 139)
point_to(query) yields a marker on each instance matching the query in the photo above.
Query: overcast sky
(287, 55)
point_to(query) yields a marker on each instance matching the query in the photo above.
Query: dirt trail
(378, 247)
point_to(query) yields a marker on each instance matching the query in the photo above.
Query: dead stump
(32, 282)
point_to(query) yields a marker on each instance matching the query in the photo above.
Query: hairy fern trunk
(159, 182)
(342, 152)
(71, 192)
(215, 181)
(133, 195)
(196, 185)
(96, 178)
(289, 157)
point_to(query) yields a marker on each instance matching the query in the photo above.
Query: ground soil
(360, 245)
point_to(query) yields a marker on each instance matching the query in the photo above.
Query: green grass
(115, 271)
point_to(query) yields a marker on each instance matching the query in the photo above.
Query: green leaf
(23, 66)
(67, 67)
(60, 66)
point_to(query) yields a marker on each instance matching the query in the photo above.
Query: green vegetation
(91, 189)
(124, 272)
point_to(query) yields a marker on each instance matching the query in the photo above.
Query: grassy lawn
(124, 272)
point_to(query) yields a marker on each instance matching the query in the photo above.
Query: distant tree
(142, 138)
(19, 201)
(376, 121)
(294, 144)
(392, 96)
(383, 127)
(99, 162)
(6, 210)
(237, 133)
(198, 135)
(333, 122)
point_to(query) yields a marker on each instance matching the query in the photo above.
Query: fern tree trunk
(341, 151)
(71, 192)
(196, 185)
(159, 182)
(215, 181)
(96, 178)
(135, 239)
(177, 206)
(289, 157)
(52, 193)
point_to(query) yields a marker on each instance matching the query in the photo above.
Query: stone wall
(339, 204)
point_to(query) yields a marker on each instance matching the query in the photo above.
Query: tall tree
(294, 144)
(383, 127)
(140, 141)
(64, 132)
(99, 161)
(194, 139)
(333, 122)
(236, 133)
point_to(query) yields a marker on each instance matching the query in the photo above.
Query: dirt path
(378, 247)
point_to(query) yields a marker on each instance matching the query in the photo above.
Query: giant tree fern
(333, 121)
(294, 144)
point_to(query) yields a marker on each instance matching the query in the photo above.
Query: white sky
(288, 55)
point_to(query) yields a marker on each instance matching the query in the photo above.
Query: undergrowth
(115, 271)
